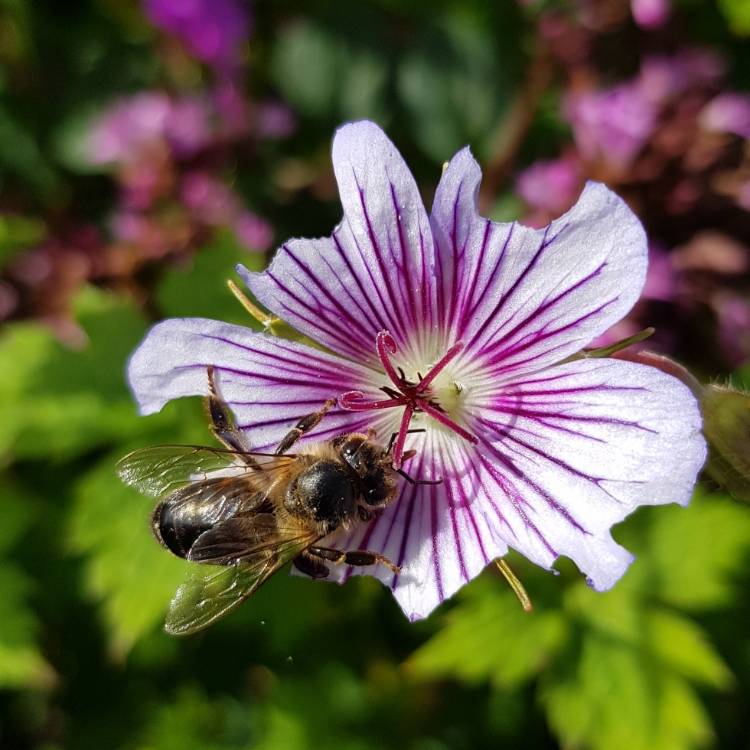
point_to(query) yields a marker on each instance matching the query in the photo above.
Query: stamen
(384, 343)
(398, 448)
(353, 401)
(412, 396)
(446, 358)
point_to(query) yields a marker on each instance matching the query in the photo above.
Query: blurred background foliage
(145, 148)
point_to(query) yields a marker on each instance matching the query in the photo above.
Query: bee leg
(222, 423)
(310, 566)
(304, 425)
(358, 557)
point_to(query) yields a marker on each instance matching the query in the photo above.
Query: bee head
(372, 464)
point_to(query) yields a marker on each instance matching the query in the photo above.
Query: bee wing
(208, 595)
(160, 469)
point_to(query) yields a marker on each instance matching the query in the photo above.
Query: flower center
(413, 396)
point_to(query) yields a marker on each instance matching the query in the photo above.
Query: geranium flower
(464, 328)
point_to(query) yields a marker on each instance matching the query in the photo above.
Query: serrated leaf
(490, 637)
(681, 645)
(125, 569)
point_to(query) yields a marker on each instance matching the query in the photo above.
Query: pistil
(414, 397)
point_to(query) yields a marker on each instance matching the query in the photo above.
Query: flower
(550, 187)
(650, 14)
(729, 113)
(213, 30)
(463, 328)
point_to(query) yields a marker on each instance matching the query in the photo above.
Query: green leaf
(194, 720)
(490, 637)
(726, 424)
(456, 85)
(693, 555)
(347, 80)
(125, 569)
(737, 13)
(57, 402)
(611, 695)
(681, 645)
(21, 662)
(311, 88)
(20, 154)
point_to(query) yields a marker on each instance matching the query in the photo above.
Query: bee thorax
(324, 493)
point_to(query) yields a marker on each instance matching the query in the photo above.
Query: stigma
(414, 396)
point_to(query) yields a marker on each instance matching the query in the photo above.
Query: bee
(243, 514)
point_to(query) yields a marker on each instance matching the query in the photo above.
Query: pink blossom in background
(551, 187)
(211, 201)
(189, 126)
(128, 123)
(728, 113)
(253, 232)
(661, 279)
(213, 30)
(128, 126)
(273, 120)
(612, 125)
(650, 14)
(663, 77)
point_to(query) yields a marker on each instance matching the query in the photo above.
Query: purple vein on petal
(404, 266)
(322, 366)
(517, 501)
(523, 477)
(378, 255)
(500, 337)
(464, 315)
(363, 337)
(543, 245)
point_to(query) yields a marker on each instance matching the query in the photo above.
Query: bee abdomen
(177, 531)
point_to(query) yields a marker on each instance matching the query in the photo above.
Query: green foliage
(459, 58)
(489, 637)
(59, 403)
(18, 233)
(21, 661)
(619, 669)
(660, 662)
(125, 569)
(737, 13)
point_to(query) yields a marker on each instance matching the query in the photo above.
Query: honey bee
(244, 514)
